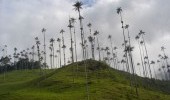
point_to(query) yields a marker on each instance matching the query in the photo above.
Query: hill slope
(67, 83)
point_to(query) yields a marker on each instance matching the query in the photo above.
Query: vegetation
(105, 83)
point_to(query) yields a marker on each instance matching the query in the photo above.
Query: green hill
(69, 83)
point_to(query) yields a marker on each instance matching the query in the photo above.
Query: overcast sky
(22, 20)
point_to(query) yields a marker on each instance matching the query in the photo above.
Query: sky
(22, 20)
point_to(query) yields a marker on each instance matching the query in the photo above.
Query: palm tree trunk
(148, 57)
(44, 51)
(75, 44)
(53, 56)
(72, 50)
(141, 59)
(82, 39)
(98, 49)
(145, 69)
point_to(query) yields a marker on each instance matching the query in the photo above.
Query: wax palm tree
(78, 6)
(138, 64)
(38, 51)
(144, 58)
(15, 56)
(59, 45)
(165, 56)
(51, 50)
(64, 47)
(119, 11)
(71, 39)
(33, 53)
(91, 40)
(56, 60)
(43, 31)
(89, 26)
(115, 56)
(153, 63)
(107, 50)
(141, 33)
(73, 20)
(141, 57)
(102, 50)
(96, 33)
(123, 62)
(62, 31)
(52, 45)
(111, 44)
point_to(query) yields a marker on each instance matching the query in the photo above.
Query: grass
(65, 84)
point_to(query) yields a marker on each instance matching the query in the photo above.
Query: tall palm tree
(123, 62)
(64, 47)
(138, 64)
(56, 60)
(33, 53)
(141, 57)
(78, 6)
(107, 50)
(91, 40)
(141, 33)
(119, 11)
(51, 50)
(111, 44)
(71, 39)
(59, 44)
(15, 56)
(153, 63)
(102, 50)
(96, 33)
(52, 45)
(165, 56)
(144, 58)
(62, 31)
(43, 31)
(89, 25)
(73, 20)
(38, 51)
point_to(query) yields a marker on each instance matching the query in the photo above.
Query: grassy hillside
(67, 83)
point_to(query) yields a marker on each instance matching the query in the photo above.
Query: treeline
(21, 64)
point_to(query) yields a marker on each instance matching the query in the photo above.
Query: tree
(111, 44)
(141, 33)
(123, 62)
(78, 6)
(119, 11)
(91, 40)
(52, 45)
(73, 20)
(71, 39)
(62, 31)
(96, 33)
(51, 50)
(15, 56)
(43, 31)
(141, 57)
(138, 64)
(38, 51)
(153, 63)
(59, 51)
